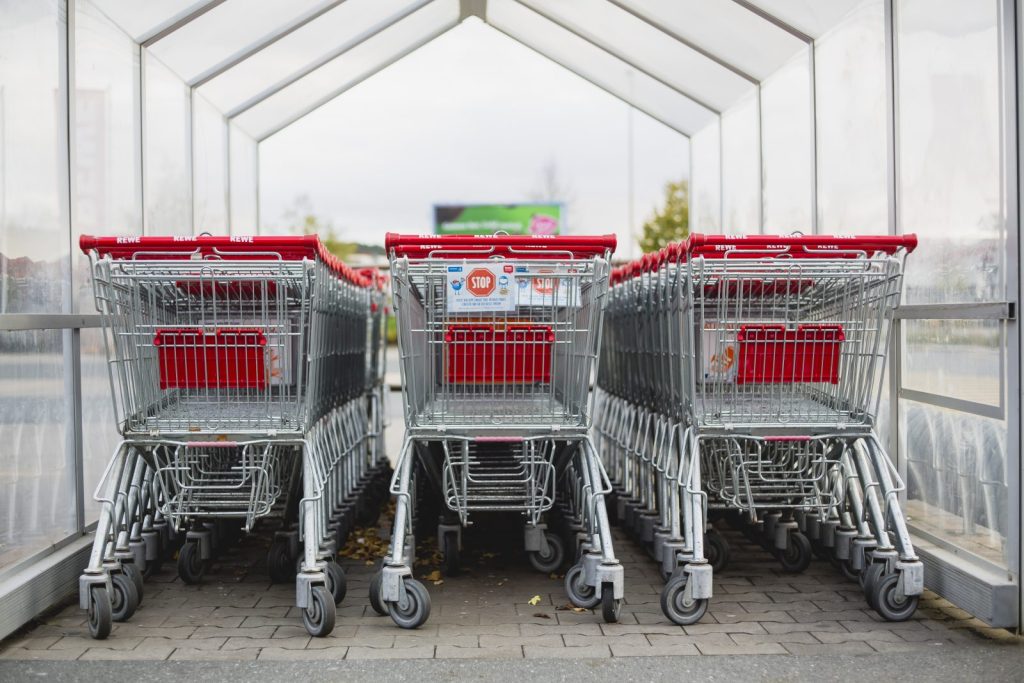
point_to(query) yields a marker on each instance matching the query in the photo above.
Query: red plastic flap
(796, 246)
(494, 354)
(233, 358)
(773, 354)
(236, 247)
(508, 246)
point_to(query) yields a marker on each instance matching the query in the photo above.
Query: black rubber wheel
(375, 601)
(153, 567)
(414, 609)
(280, 565)
(797, 555)
(869, 579)
(551, 560)
(123, 598)
(132, 571)
(319, 615)
(890, 606)
(337, 584)
(450, 551)
(100, 613)
(716, 550)
(677, 608)
(846, 569)
(610, 607)
(190, 566)
(580, 593)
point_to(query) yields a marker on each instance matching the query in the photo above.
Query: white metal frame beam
(174, 23)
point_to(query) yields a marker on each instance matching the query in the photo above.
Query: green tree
(671, 222)
(301, 220)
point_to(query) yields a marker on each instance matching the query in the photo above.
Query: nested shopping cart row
(498, 335)
(740, 377)
(247, 376)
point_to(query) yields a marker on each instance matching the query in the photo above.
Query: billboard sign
(487, 219)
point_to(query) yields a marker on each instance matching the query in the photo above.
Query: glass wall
(35, 268)
(851, 119)
(244, 178)
(168, 150)
(706, 180)
(741, 168)
(210, 165)
(786, 154)
(951, 194)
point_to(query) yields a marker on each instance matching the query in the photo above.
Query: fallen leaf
(433, 576)
(534, 601)
(567, 607)
(541, 615)
(438, 582)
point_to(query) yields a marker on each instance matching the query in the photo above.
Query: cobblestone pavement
(487, 613)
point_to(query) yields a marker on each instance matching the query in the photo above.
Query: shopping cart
(497, 337)
(238, 367)
(774, 350)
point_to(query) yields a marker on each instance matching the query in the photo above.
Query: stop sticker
(480, 282)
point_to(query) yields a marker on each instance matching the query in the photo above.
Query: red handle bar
(509, 246)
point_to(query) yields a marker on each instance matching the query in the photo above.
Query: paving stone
(31, 642)
(654, 651)
(810, 626)
(479, 629)
(829, 649)
(583, 641)
(585, 652)
(219, 632)
(539, 641)
(579, 629)
(174, 643)
(404, 640)
(621, 629)
(703, 628)
(80, 642)
(279, 612)
(294, 643)
(131, 629)
(158, 653)
(419, 652)
(351, 641)
(192, 654)
(278, 653)
(22, 653)
(738, 649)
(454, 652)
(760, 617)
(879, 635)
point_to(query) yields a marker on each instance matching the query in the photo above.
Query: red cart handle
(259, 247)
(796, 246)
(507, 246)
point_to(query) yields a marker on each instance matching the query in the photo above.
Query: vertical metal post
(760, 162)
(892, 192)
(256, 174)
(721, 177)
(227, 177)
(190, 122)
(814, 138)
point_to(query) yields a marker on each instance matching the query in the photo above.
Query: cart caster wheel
(716, 550)
(677, 608)
(846, 569)
(413, 610)
(124, 599)
(152, 567)
(131, 570)
(869, 579)
(100, 613)
(190, 566)
(552, 560)
(888, 604)
(337, 585)
(378, 605)
(319, 616)
(797, 555)
(610, 607)
(280, 565)
(450, 548)
(580, 593)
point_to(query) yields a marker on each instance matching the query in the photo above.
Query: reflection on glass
(99, 430)
(34, 252)
(956, 477)
(37, 496)
(168, 174)
(706, 191)
(958, 358)
(108, 186)
(850, 96)
(950, 155)
(741, 171)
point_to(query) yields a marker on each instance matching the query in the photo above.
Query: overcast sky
(471, 117)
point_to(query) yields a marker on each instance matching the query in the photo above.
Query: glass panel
(349, 69)
(949, 150)
(812, 17)
(959, 358)
(244, 180)
(956, 477)
(706, 194)
(99, 428)
(168, 173)
(597, 66)
(140, 19)
(108, 179)
(336, 30)
(786, 148)
(34, 252)
(210, 165)
(37, 494)
(724, 29)
(741, 169)
(649, 49)
(850, 88)
(224, 31)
